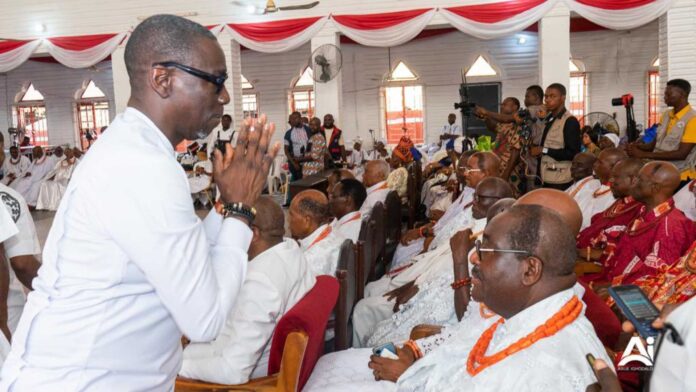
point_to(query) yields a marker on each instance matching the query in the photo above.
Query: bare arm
(4, 289)
(26, 268)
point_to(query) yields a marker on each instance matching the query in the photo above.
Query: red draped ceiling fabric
(384, 30)
(485, 21)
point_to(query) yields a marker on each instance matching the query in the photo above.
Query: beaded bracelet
(457, 284)
(417, 353)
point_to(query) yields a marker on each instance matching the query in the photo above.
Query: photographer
(560, 141)
(508, 142)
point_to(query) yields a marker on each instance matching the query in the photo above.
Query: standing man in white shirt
(277, 278)
(345, 200)
(126, 273)
(224, 133)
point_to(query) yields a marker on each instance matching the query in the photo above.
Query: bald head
(606, 161)
(489, 191)
(488, 162)
(657, 181)
(270, 219)
(623, 176)
(499, 207)
(375, 172)
(308, 211)
(558, 201)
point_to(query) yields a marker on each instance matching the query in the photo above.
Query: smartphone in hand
(637, 308)
(387, 350)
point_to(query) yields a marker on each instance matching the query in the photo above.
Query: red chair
(310, 315)
(301, 331)
(605, 323)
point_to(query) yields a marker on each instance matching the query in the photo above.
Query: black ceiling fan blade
(299, 7)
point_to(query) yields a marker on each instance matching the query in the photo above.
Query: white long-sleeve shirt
(375, 194)
(127, 269)
(276, 280)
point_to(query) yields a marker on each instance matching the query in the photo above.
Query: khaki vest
(670, 141)
(553, 171)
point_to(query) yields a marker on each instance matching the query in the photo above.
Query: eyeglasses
(480, 250)
(477, 197)
(218, 81)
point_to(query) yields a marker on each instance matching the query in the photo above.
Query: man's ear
(533, 270)
(160, 80)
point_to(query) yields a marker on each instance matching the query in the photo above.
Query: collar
(288, 244)
(134, 114)
(19, 158)
(560, 114)
(308, 241)
(532, 317)
(40, 161)
(680, 113)
(349, 217)
(378, 186)
(662, 208)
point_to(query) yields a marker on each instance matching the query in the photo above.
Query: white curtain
(86, 57)
(14, 58)
(281, 45)
(620, 18)
(388, 36)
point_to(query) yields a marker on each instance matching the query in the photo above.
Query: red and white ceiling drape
(15, 53)
(620, 15)
(485, 21)
(384, 30)
(276, 36)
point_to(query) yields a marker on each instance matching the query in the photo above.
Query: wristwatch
(228, 210)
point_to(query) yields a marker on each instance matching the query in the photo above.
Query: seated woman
(53, 187)
(590, 140)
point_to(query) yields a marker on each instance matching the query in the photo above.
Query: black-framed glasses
(480, 250)
(218, 81)
(477, 197)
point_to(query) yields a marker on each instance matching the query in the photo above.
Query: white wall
(616, 61)
(58, 85)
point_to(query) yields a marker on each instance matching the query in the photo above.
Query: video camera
(626, 101)
(465, 107)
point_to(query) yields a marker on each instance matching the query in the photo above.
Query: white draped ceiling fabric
(485, 21)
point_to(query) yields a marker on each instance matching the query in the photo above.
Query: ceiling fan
(271, 6)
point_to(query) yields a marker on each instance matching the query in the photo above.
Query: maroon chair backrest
(606, 325)
(392, 207)
(309, 315)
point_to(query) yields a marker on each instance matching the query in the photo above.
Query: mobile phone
(637, 308)
(387, 350)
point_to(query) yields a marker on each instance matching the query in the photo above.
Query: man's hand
(242, 172)
(421, 331)
(461, 244)
(405, 296)
(536, 151)
(607, 379)
(410, 236)
(27, 175)
(391, 369)
(436, 214)
(480, 112)
(634, 151)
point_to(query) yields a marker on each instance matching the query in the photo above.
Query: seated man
(278, 276)
(201, 178)
(436, 193)
(375, 180)
(341, 371)
(611, 222)
(345, 200)
(658, 237)
(28, 186)
(581, 171)
(420, 294)
(52, 189)
(539, 291)
(15, 166)
(595, 196)
(479, 166)
(309, 219)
